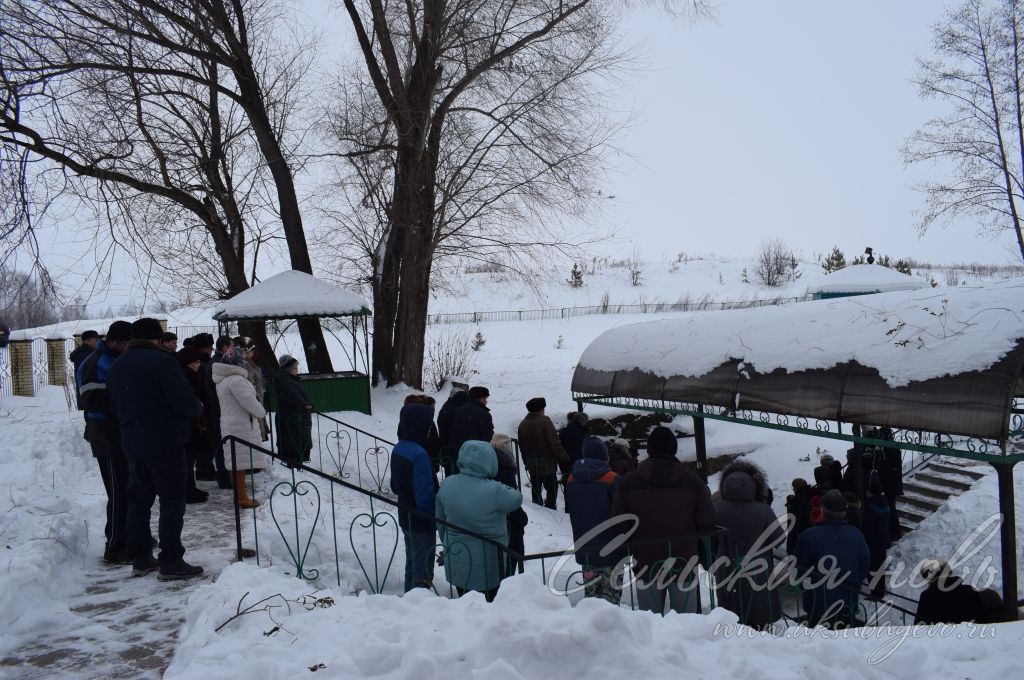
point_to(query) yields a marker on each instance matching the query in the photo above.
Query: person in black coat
(293, 420)
(445, 424)
(798, 504)
(875, 527)
(889, 464)
(472, 421)
(517, 519)
(205, 470)
(572, 437)
(155, 407)
(947, 599)
(199, 442)
(79, 354)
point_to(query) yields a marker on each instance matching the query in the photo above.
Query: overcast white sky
(779, 118)
(784, 118)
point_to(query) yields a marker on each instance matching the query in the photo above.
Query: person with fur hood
(517, 519)
(240, 413)
(745, 563)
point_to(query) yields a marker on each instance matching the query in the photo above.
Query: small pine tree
(902, 267)
(885, 261)
(794, 271)
(860, 259)
(478, 341)
(560, 342)
(743, 276)
(835, 261)
(576, 276)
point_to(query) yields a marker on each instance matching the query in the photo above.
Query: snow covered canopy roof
(941, 361)
(291, 295)
(866, 278)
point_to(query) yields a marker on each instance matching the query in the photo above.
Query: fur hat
(594, 447)
(502, 441)
(119, 331)
(834, 504)
(147, 328)
(202, 340)
(287, 361)
(188, 355)
(536, 405)
(478, 392)
(578, 418)
(662, 443)
(621, 443)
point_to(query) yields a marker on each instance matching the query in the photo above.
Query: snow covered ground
(65, 615)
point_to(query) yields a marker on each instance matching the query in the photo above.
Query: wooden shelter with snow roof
(293, 295)
(863, 279)
(939, 368)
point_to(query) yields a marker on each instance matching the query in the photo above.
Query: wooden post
(21, 368)
(57, 361)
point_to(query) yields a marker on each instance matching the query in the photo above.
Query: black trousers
(114, 471)
(161, 474)
(549, 483)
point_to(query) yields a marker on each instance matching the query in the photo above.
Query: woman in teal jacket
(475, 501)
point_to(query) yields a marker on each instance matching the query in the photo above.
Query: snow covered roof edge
(291, 294)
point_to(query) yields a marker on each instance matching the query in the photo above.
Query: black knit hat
(287, 361)
(478, 392)
(89, 335)
(168, 336)
(662, 443)
(536, 405)
(147, 329)
(119, 331)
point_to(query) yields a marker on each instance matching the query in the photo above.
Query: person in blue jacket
(154, 406)
(588, 496)
(475, 501)
(104, 436)
(831, 598)
(413, 481)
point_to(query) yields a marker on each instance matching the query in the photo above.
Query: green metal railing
(360, 542)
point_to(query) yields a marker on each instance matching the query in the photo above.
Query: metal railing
(641, 308)
(316, 542)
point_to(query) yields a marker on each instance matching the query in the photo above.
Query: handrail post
(238, 510)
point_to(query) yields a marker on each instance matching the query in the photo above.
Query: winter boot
(144, 565)
(223, 479)
(196, 496)
(243, 492)
(119, 556)
(178, 570)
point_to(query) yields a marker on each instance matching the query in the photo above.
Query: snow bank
(52, 523)
(866, 278)
(529, 633)
(906, 336)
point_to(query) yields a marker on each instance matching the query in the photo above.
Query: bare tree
(774, 263)
(977, 69)
(179, 111)
(27, 300)
(635, 267)
(489, 119)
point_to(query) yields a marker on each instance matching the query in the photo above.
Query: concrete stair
(930, 486)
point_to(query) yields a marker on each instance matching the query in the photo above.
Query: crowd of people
(156, 417)
(657, 515)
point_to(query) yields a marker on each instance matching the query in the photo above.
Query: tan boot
(242, 491)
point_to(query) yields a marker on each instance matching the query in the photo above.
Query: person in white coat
(240, 414)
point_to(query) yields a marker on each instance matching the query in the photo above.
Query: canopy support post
(702, 446)
(1008, 539)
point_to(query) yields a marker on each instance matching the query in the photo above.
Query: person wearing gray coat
(744, 563)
